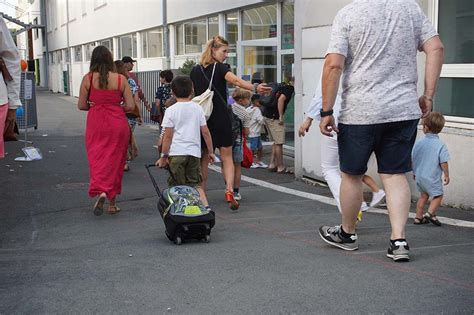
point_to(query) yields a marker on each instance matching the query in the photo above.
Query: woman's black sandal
(432, 218)
(418, 221)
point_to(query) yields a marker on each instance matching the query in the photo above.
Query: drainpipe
(69, 65)
(166, 34)
(45, 41)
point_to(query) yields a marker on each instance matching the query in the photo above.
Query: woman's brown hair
(120, 68)
(216, 42)
(103, 63)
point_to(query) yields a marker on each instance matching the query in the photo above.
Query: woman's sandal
(432, 218)
(229, 198)
(423, 220)
(99, 205)
(113, 210)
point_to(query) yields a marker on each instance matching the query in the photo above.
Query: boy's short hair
(182, 86)
(434, 122)
(240, 94)
(167, 75)
(255, 97)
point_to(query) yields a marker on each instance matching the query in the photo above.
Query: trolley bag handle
(153, 179)
(148, 166)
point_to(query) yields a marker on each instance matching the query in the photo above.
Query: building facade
(278, 38)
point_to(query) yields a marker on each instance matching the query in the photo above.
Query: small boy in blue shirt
(430, 160)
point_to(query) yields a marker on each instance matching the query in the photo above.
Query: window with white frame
(288, 25)
(259, 23)
(212, 26)
(195, 37)
(232, 30)
(180, 39)
(67, 55)
(456, 86)
(128, 46)
(89, 48)
(78, 53)
(152, 43)
(109, 44)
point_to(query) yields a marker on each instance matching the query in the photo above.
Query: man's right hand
(304, 128)
(426, 106)
(212, 158)
(262, 88)
(327, 125)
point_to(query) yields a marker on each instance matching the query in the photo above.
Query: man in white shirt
(9, 87)
(181, 147)
(373, 45)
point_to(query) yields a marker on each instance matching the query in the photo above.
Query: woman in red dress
(102, 93)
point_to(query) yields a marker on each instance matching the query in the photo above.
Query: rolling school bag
(183, 213)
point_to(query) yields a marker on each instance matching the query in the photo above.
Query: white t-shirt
(379, 39)
(186, 119)
(256, 121)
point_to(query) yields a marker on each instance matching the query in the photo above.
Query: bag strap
(212, 85)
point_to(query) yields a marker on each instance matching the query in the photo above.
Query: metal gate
(32, 114)
(149, 83)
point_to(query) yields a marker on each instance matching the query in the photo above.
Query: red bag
(248, 155)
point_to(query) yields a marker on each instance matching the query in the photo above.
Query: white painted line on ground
(330, 201)
(413, 248)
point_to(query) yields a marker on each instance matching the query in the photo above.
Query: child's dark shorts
(392, 143)
(186, 170)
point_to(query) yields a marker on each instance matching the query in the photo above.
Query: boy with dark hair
(181, 147)
(430, 159)
(163, 93)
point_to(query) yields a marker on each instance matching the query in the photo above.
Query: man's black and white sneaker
(332, 235)
(399, 250)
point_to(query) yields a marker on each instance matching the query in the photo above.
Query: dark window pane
(456, 29)
(455, 97)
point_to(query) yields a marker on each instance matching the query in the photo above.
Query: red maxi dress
(107, 137)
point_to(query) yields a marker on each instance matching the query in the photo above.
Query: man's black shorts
(392, 143)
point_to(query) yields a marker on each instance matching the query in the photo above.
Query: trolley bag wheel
(207, 238)
(177, 240)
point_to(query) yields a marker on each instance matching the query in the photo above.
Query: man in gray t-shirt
(373, 45)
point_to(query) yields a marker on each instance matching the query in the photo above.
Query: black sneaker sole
(338, 245)
(400, 257)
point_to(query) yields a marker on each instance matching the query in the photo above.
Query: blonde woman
(220, 122)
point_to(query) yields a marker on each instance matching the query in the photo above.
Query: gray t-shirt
(379, 39)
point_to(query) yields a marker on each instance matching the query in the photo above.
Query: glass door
(260, 62)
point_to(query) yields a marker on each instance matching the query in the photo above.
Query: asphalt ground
(57, 257)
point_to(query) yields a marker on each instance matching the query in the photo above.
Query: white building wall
(312, 29)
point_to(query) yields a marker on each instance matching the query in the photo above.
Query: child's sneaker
(237, 196)
(255, 165)
(262, 165)
(333, 236)
(364, 207)
(377, 198)
(399, 250)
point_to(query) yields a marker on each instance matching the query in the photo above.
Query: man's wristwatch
(326, 113)
(164, 155)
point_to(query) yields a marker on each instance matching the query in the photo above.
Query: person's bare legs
(259, 154)
(398, 202)
(420, 205)
(204, 176)
(272, 163)
(369, 181)
(237, 175)
(351, 199)
(279, 157)
(434, 205)
(228, 167)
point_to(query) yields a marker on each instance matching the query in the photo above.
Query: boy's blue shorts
(255, 143)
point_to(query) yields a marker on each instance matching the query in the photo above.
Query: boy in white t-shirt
(181, 147)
